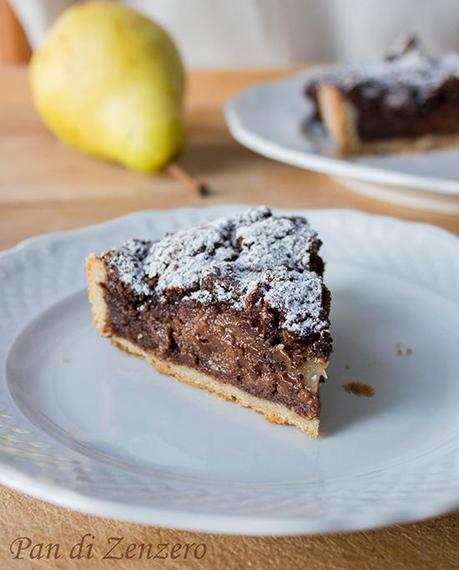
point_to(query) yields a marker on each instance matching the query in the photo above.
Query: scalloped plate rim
(211, 524)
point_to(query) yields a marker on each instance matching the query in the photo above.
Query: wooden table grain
(47, 186)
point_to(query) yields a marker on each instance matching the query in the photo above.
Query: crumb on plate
(400, 351)
(359, 388)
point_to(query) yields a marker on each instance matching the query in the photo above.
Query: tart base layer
(274, 412)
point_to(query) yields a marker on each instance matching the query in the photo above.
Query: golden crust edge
(273, 412)
(96, 276)
(339, 118)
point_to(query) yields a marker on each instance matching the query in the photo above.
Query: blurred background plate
(272, 119)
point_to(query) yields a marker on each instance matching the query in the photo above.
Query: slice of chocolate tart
(236, 306)
(406, 102)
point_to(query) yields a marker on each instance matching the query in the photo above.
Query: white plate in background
(272, 119)
(89, 427)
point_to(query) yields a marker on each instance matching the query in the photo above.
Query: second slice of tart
(406, 102)
(236, 306)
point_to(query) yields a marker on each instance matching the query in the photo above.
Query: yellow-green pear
(110, 82)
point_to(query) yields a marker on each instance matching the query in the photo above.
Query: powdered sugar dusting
(251, 258)
(298, 297)
(411, 71)
(128, 262)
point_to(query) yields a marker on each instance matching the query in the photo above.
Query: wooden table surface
(46, 186)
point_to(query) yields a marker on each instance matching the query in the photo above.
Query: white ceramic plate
(84, 425)
(271, 119)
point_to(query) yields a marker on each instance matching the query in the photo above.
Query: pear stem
(177, 171)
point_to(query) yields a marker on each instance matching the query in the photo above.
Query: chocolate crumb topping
(408, 72)
(250, 262)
